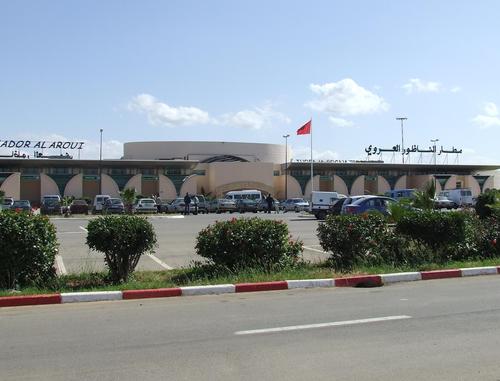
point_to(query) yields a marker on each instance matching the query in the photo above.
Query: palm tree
(128, 197)
(425, 199)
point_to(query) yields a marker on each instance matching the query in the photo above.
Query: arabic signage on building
(40, 144)
(371, 150)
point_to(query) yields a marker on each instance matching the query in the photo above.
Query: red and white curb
(353, 281)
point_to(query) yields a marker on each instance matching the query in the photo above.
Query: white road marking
(160, 262)
(70, 232)
(315, 250)
(61, 269)
(84, 229)
(321, 325)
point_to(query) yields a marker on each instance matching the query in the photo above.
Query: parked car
(222, 205)
(162, 205)
(461, 196)
(79, 207)
(50, 206)
(350, 200)
(263, 205)
(295, 205)
(370, 203)
(336, 208)
(99, 201)
(21, 206)
(7, 202)
(178, 205)
(443, 202)
(145, 205)
(202, 203)
(247, 205)
(113, 206)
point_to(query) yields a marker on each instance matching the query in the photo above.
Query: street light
(402, 119)
(433, 141)
(100, 164)
(286, 165)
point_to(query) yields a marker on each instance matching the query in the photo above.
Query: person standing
(187, 204)
(270, 202)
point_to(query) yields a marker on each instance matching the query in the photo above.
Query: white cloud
(160, 113)
(346, 97)
(419, 86)
(304, 153)
(489, 117)
(256, 119)
(340, 122)
(111, 149)
(455, 89)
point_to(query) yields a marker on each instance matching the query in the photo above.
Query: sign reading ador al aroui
(40, 144)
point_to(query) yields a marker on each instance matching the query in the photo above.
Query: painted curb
(29, 300)
(208, 290)
(97, 296)
(309, 283)
(401, 277)
(362, 280)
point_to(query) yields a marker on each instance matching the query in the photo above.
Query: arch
(451, 183)
(239, 185)
(358, 186)
(294, 189)
(135, 182)
(12, 186)
(189, 185)
(74, 187)
(339, 185)
(166, 188)
(401, 183)
(224, 158)
(382, 185)
(109, 186)
(489, 183)
(48, 185)
(307, 191)
(472, 183)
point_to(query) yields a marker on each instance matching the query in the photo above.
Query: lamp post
(402, 119)
(286, 165)
(433, 141)
(100, 163)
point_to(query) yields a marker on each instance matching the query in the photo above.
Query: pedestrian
(187, 204)
(270, 202)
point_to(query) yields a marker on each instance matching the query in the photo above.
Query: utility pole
(434, 141)
(402, 119)
(286, 165)
(100, 164)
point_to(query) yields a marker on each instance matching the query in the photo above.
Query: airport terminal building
(169, 169)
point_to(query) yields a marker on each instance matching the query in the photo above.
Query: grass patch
(204, 275)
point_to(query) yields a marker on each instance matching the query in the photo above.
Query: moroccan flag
(305, 129)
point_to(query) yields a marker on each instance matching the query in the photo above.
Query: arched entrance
(240, 185)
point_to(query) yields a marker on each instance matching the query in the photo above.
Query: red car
(79, 207)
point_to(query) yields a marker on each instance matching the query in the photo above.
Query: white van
(99, 201)
(250, 194)
(322, 201)
(461, 196)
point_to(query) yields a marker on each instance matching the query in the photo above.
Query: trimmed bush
(122, 239)
(28, 246)
(248, 243)
(353, 240)
(486, 201)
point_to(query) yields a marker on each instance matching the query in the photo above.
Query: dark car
(247, 205)
(371, 203)
(336, 208)
(112, 206)
(50, 206)
(21, 206)
(79, 207)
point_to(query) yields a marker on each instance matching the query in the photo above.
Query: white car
(295, 204)
(145, 205)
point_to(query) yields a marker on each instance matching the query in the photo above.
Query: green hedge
(28, 246)
(122, 239)
(248, 243)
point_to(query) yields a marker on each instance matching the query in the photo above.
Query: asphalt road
(441, 330)
(176, 240)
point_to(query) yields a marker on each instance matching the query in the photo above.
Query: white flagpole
(312, 177)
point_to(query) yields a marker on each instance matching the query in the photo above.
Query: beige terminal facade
(172, 168)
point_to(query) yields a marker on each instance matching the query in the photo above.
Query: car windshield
(297, 200)
(21, 203)
(115, 201)
(148, 201)
(79, 202)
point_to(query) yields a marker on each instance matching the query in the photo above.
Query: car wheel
(296, 210)
(321, 215)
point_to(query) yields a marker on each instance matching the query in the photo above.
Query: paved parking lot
(176, 240)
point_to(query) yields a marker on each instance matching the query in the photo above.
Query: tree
(425, 199)
(128, 196)
(2, 195)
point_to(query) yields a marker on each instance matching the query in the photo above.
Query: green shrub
(248, 243)
(122, 239)
(353, 240)
(485, 202)
(28, 246)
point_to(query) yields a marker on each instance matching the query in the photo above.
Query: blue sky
(253, 71)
